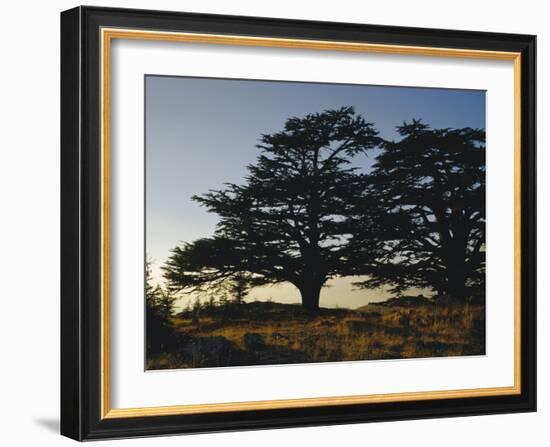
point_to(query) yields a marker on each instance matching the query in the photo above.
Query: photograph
(298, 222)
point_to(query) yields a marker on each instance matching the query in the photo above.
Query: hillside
(271, 333)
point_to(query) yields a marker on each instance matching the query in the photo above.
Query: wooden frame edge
(106, 36)
(305, 403)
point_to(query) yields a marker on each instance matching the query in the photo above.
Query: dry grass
(270, 333)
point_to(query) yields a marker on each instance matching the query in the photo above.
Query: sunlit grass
(270, 333)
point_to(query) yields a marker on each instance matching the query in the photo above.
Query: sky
(201, 133)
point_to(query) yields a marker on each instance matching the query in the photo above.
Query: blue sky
(201, 133)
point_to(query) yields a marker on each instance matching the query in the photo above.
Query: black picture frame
(81, 224)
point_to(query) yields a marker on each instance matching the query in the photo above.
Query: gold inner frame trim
(107, 35)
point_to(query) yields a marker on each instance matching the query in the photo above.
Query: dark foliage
(159, 309)
(289, 222)
(305, 214)
(423, 213)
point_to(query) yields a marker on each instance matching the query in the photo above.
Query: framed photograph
(275, 223)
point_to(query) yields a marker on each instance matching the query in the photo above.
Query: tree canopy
(290, 219)
(422, 212)
(305, 213)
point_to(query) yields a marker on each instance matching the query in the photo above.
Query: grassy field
(273, 333)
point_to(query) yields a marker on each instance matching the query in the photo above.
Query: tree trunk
(310, 296)
(457, 284)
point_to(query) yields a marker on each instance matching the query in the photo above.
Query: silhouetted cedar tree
(289, 221)
(422, 213)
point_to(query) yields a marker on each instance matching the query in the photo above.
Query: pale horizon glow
(201, 133)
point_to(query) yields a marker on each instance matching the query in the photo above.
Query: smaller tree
(239, 287)
(159, 311)
(423, 212)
